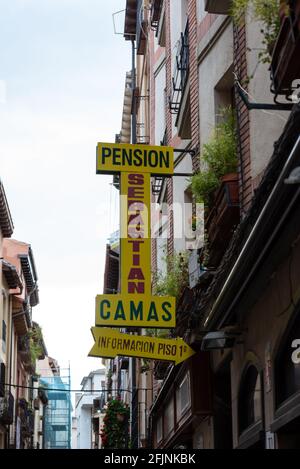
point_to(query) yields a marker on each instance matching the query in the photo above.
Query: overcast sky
(62, 73)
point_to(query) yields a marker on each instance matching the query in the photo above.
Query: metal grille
(181, 71)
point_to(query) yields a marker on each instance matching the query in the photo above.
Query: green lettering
(168, 316)
(152, 312)
(120, 313)
(136, 311)
(104, 315)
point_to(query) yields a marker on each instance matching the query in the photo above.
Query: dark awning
(11, 275)
(130, 19)
(30, 276)
(111, 272)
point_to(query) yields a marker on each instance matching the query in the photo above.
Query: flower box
(223, 217)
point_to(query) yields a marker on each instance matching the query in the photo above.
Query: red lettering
(136, 179)
(136, 245)
(136, 287)
(135, 193)
(136, 273)
(135, 259)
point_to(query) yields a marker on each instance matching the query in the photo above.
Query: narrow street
(151, 295)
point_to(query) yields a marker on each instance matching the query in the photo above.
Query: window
(159, 430)
(250, 399)
(2, 379)
(169, 418)
(224, 94)
(183, 397)
(3, 336)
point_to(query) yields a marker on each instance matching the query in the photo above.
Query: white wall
(84, 408)
(211, 69)
(85, 428)
(74, 433)
(200, 10)
(262, 123)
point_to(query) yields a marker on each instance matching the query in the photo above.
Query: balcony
(220, 7)
(7, 409)
(27, 418)
(223, 218)
(181, 72)
(285, 65)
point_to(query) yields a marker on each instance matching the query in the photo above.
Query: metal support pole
(134, 394)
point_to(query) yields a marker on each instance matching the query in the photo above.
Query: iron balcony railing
(181, 71)
(157, 181)
(7, 409)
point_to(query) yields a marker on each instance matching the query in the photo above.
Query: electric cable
(97, 391)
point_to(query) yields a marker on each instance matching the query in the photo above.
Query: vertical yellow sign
(135, 234)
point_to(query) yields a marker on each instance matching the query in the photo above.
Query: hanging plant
(269, 13)
(219, 156)
(114, 434)
(176, 277)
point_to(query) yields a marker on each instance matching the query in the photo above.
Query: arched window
(250, 398)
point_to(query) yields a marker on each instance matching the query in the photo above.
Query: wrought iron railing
(157, 182)
(181, 71)
(7, 409)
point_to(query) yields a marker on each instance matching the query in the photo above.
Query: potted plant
(174, 280)
(219, 156)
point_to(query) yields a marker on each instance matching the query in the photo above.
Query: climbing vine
(114, 434)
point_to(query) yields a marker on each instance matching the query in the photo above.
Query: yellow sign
(135, 306)
(109, 343)
(141, 311)
(135, 234)
(120, 157)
